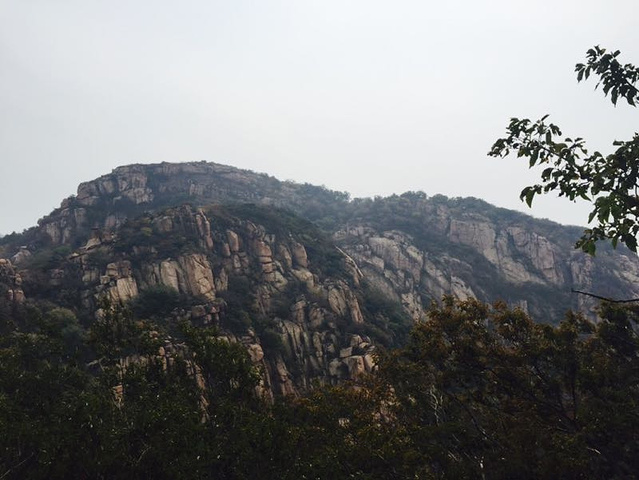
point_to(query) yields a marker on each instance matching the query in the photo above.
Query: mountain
(309, 281)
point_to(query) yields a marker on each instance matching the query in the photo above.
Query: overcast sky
(365, 96)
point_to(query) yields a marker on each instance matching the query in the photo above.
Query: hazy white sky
(371, 97)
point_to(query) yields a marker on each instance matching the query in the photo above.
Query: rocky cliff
(127, 191)
(296, 311)
(306, 279)
(424, 248)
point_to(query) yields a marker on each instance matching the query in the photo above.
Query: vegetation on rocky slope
(237, 341)
(284, 331)
(184, 342)
(477, 391)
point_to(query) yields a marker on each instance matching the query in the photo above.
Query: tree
(482, 391)
(478, 391)
(610, 182)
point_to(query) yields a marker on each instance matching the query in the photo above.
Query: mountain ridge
(309, 281)
(107, 201)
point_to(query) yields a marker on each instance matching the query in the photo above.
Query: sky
(366, 96)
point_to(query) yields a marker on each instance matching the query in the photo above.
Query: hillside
(308, 280)
(412, 246)
(208, 322)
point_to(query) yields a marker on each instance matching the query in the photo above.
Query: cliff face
(260, 288)
(10, 282)
(107, 201)
(308, 302)
(474, 257)
(433, 246)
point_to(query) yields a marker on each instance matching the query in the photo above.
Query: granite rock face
(468, 255)
(308, 314)
(12, 281)
(246, 248)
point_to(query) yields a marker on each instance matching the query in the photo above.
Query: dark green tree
(610, 182)
(484, 392)
(51, 408)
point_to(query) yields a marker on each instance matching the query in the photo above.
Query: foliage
(62, 324)
(478, 391)
(481, 391)
(116, 334)
(610, 182)
(191, 418)
(343, 432)
(617, 79)
(46, 408)
(484, 391)
(227, 369)
(239, 302)
(144, 235)
(271, 341)
(99, 258)
(157, 301)
(387, 322)
(47, 258)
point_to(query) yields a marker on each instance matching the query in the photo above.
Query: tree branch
(604, 298)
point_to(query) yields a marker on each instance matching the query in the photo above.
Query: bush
(238, 320)
(157, 301)
(388, 323)
(48, 258)
(99, 259)
(272, 342)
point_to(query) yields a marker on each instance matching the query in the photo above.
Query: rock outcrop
(10, 282)
(306, 308)
(306, 321)
(469, 256)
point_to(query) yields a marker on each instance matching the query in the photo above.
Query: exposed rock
(256, 353)
(94, 240)
(410, 250)
(345, 352)
(12, 281)
(22, 254)
(125, 289)
(395, 250)
(234, 241)
(355, 365)
(300, 258)
(263, 251)
(168, 274)
(118, 282)
(197, 276)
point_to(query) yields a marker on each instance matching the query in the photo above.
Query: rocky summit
(309, 281)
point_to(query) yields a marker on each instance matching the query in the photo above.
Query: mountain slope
(463, 246)
(306, 279)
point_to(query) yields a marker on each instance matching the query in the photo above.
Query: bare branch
(604, 298)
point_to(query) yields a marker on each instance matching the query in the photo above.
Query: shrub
(156, 301)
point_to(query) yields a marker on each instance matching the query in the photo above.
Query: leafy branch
(610, 182)
(617, 79)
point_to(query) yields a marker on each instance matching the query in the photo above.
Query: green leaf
(631, 242)
(530, 194)
(545, 175)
